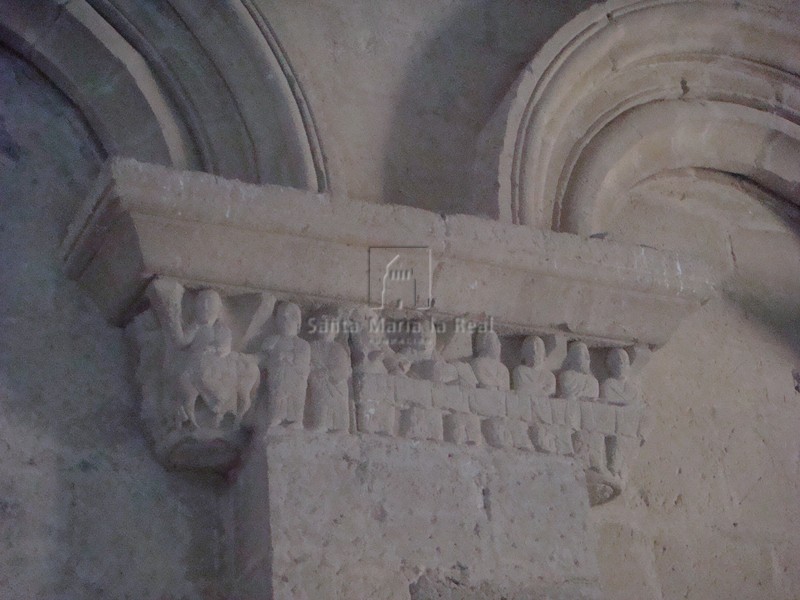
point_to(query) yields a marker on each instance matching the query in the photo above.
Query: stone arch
(630, 89)
(163, 82)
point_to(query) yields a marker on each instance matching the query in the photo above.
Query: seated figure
(576, 380)
(620, 388)
(370, 350)
(489, 371)
(531, 375)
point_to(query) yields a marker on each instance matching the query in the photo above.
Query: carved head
(618, 363)
(487, 345)
(207, 307)
(328, 328)
(578, 357)
(533, 351)
(420, 342)
(288, 318)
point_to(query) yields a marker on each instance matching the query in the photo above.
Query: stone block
(543, 410)
(411, 393)
(496, 432)
(421, 424)
(605, 418)
(559, 406)
(587, 416)
(374, 387)
(563, 440)
(462, 428)
(590, 448)
(497, 515)
(628, 418)
(375, 416)
(543, 438)
(449, 397)
(518, 405)
(572, 414)
(520, 438)
(486, 403)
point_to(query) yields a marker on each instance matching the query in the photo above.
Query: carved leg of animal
(189, 394)
(244, 399)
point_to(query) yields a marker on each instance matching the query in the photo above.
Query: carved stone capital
(193, 265)
(197, 373)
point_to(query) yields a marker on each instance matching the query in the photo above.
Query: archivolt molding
(630, 88)
(166, 84)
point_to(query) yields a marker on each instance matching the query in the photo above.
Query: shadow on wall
(85, 511)
(452, 87)
(765, 286)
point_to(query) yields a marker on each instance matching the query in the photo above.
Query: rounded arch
(170, 83)
(630, 88)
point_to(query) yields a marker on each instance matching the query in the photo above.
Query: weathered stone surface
(543, 409)
(149, 220)
(520, 437)
(628, 420)
(572, 414)
(376, 416)
(559, 407)
(543, 438)
(401, 507)
(412, 392)
(450, 397)
(670, 125)
(605, 418)
(462, 428)
(420, 424)
(497, 432)
(486, 403)
(518, 406)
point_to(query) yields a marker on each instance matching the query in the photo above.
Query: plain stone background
(401, 91)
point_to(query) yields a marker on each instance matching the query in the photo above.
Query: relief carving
(287, 359)
(427, 363)
(576, 380)
(489, 371)
(195, 372)
(620, 388)
(370, 349)
(328, 407)
(531, 375)
(186, 364)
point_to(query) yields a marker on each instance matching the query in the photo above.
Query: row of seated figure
(308, 382)
(372, 354)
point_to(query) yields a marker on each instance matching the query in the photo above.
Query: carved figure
(427, 364)
(620, 388)
(576, 380)
(489, 371)
(200, 356)
(328, 391)
(371, 352)
(287, 358)
(531, 375)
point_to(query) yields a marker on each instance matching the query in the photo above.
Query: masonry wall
(401, 92)
(85, 511)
